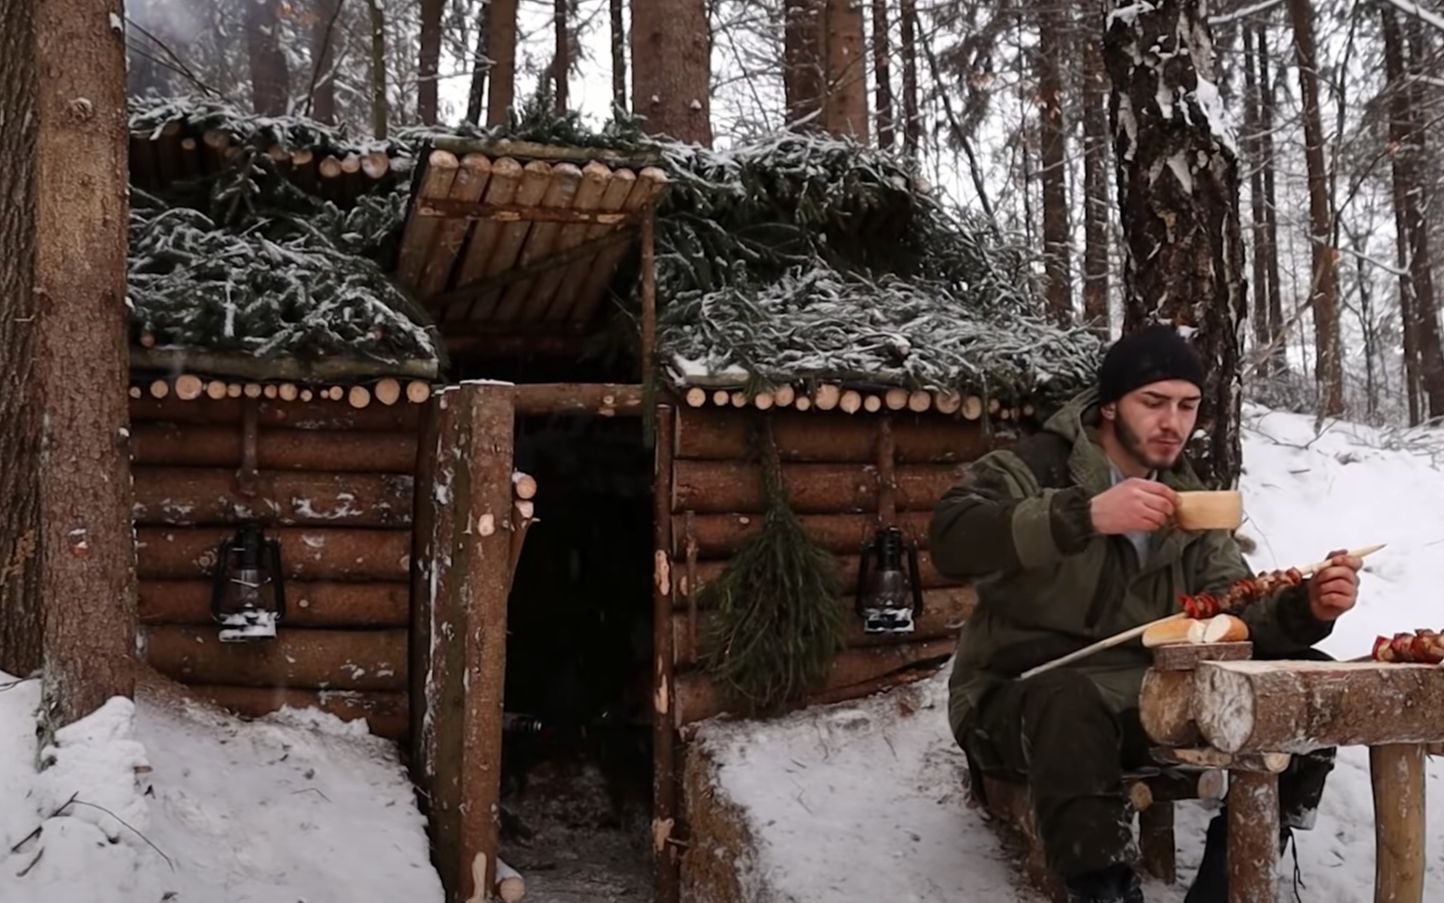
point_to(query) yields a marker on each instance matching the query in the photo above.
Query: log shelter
(441, 516)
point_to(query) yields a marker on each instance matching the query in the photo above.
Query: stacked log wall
(839, 483)
(334, 484)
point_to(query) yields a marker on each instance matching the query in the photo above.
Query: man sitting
(1068, 539)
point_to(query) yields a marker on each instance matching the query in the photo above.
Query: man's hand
(1335, 589)
(1132, 505)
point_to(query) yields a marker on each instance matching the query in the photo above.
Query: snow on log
(1300, 706)
(353, 451)
(301, 659)
(723, 534)
(847, 567)
(306, 553)
(385, 711)
(697, 698)
(723, 436)
(309, 603)
(944, 612)
(195, 496)
(721, 487)
(317, 415)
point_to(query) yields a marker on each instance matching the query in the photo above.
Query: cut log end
(388, 391)
(188, 387)
(696, 396)
(358, 397)
(524, 485)
(418, 391)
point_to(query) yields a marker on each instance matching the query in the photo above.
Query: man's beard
(1133, 444)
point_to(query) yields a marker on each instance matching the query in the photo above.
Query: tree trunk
(380, 109)
(81, 358)
(1178, 196)
(1260, 312)
(20, 404)
(1278, 360)
(476, 96)
(802, 67)
(562, 61)
(619, 56)
(912, 122)
(1053, 152)
(270, 76)
(1421, 260)
(1328, 371)
(671, 69)
(1403, 179)
(501, 47)
(1095, 176)
(324, 35)
(845, 106)
(429, 64)
(882, 74)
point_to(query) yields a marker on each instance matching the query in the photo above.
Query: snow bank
(159, 801)
(865, 801)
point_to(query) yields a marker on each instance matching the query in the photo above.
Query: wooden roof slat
(468, 186)
(595, 278)
(506, 178)
(416, 240)
(535, 179)
(561, 194)
(556, 293)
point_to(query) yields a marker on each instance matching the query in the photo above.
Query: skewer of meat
(1242, 592)
(1420, 647)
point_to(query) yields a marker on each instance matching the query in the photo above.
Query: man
(1068, 539)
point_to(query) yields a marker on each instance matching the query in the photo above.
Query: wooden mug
(1220, 510)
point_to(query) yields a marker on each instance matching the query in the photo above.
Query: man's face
(1153, 422)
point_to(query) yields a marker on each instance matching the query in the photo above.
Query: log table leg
(1253, 836)
(1155, 841)
(1397, 774)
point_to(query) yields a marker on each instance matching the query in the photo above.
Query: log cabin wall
(333, 483)
(843, 472)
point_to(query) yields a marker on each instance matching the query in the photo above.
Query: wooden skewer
(1132, 633)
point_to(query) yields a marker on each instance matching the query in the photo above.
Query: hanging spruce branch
(778, 614)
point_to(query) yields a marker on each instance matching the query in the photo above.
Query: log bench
(1151, 794)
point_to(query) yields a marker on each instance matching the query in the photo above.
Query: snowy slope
(204, 808)
(865, 801)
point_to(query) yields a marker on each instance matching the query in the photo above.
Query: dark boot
(1115, 884)
(1210, 885)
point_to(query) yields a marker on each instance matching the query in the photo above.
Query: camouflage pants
(1055, 731)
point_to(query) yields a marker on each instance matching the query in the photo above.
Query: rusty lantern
(248, 598)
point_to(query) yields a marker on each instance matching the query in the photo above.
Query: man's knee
(1061, 708)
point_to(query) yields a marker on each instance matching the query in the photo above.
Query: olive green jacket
(1019, 526)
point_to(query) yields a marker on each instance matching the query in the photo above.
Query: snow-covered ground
(866, 801)
(163, 801)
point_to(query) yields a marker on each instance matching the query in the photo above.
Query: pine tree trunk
(619, 56)
(1421, 259)
(912, 121)
(1328, 371)
(1095, 176)
(671, 68)
(81, 359)
(1053, 153)
(1401, 161)
(802, 65)
(562, 61)
(1278, 361)
(270, 76)
(1178, 197)
(1260, 312)
(380, 109)
(501, 47)
(882, 74)
(845, 105)
(325, 33)
(429, 64)
(476, 96)
(20, 403)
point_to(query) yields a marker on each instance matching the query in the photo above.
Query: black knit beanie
(1147, 356)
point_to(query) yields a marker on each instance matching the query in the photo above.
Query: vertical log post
(1253, 836)
(470, 573)
(1155, 841)
(1397, 774)
(649, 295)
(663, 785)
